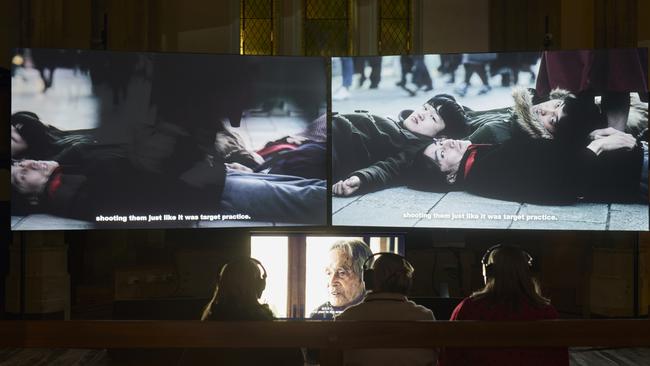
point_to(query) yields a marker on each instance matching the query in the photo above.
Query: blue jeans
(279, 198)
(347, 69)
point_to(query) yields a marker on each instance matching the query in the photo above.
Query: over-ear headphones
(489, 267)
(260, 282)
(406, 272)
(261, 285)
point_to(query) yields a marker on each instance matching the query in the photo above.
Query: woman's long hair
(509, 280)
(238, 289)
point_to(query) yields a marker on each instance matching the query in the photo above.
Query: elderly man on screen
(344, 284)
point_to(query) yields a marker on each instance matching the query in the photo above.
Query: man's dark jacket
(543, 171)
(376, 149)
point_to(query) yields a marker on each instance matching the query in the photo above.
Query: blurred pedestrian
(421, 77)
(476, 63)
(406, 63)
(375, 70)
(347, 69)
(449, 64)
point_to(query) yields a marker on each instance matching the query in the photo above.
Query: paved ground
(403, 207)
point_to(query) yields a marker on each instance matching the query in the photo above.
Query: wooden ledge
(324, 335)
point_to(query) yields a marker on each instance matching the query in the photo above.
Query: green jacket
(377, 150)
(493, 126)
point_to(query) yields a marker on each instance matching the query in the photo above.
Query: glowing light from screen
(273, 252)
(315, 279)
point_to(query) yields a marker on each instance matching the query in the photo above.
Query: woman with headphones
(241, 283)
(511, 293)
(236, 298)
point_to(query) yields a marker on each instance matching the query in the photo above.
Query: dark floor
(78, 357)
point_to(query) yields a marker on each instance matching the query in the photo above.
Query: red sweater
(470, 309)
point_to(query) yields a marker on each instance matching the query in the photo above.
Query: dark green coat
(493, 126)
(378, 150)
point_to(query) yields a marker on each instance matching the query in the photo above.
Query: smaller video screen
(120, 140)
(317, 276)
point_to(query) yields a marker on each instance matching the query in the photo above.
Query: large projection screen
(151, 140)
(553, 140)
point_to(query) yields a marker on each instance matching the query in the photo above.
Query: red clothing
(470, 154)
(470, 309)
(597, 71)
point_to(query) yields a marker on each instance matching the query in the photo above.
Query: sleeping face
(549, 114)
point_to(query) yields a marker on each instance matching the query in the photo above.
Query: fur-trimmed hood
(523, 102)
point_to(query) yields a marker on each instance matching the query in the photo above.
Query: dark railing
(330, 337)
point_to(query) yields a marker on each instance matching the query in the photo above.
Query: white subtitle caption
(169, 217)
(476, 216)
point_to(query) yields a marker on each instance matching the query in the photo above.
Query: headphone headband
(486, 257)
(251, 259)
(259, 264)
(368, 271)
(262, 280)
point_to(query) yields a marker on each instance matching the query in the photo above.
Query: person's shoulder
(421, 311)
(265, 312)
(550, 312)
(356, 116)
(362, 120)
(468, 301)
(248, 312)
(466, 306)
(354, 312)
(427, 314)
